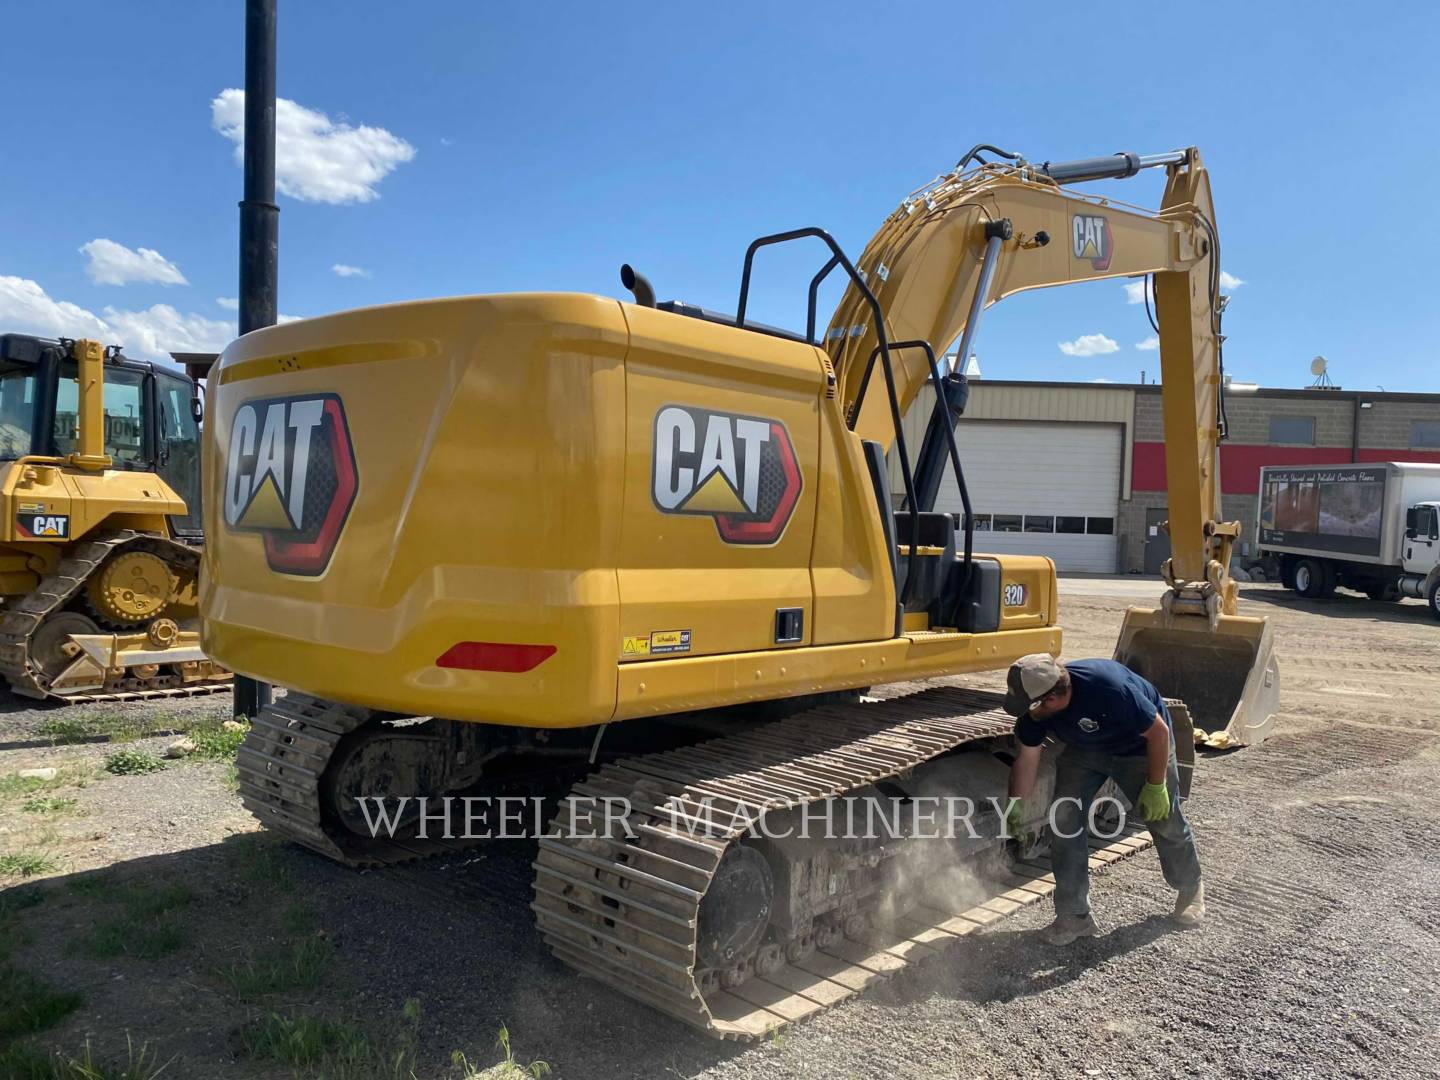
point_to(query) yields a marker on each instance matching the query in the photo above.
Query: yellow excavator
(486, 541)
(100, 542)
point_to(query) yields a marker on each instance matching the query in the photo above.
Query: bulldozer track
(24, 618)
(280, 765)
(627, 911)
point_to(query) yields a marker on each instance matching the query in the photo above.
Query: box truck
(1374, 528)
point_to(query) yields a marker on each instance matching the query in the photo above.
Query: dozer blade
(1227, 674)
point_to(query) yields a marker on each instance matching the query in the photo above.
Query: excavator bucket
(1227, 674)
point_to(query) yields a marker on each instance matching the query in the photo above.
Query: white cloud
(317, 159)
(1102, 380)
(160, 330)
(344, 270)
(152, 334)
(1149, 344)
(1229, 281)
(115, 264)
(1135, 291)
(229, 303)
(1089, 345)
(26, 309)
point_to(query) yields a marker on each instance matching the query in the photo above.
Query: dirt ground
(1320, 956)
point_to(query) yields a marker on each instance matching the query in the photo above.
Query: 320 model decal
(290, 476)
(739, 470)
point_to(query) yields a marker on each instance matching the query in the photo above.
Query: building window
(1098, 526)
(1037, 523)
(1069, 524)
(982, 522)
(1293, 430)
(1425, 433)
(1007, 522)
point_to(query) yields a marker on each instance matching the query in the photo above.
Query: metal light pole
(259, 225)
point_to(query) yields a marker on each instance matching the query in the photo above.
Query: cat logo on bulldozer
(739, 470)
(1091, 239)
(290, 476)
(52, 526)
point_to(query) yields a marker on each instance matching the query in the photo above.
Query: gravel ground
(1319, 958)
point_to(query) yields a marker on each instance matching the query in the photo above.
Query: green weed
(112, 728)
(28, 1003)
(25, 864)
(283, 968)
(214, 743)
(48, 804)
(317, 1046)
(263, 861)
(24, 1062)
(149, 925)
(130, 762)
(507, 1067)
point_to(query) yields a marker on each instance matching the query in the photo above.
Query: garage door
(1041, 489)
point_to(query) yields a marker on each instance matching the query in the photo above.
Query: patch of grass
(21, 1061)
(25, 864)
(508, 1064)
(263, 861)
(213, 742)
(114, 727)
(15, 786)
(20, 898)
(318, 1046)
(130, 762)
(149, 925)
(29, 1004)
(302, 966)
(507, 1068)
(48, 804)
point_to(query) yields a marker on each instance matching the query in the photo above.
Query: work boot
(1189, 906)
(1066, 928)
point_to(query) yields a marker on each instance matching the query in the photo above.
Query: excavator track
(627, 911)
(20, 622)
(281, 766)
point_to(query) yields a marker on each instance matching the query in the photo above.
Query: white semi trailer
(1374, 528)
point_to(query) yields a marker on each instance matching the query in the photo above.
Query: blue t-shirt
(1110, 710)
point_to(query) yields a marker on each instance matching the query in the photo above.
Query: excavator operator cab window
(125, 415)
(17, 411)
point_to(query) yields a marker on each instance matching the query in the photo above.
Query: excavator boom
(970, 238)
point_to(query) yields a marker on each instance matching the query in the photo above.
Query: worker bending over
(1115, 726)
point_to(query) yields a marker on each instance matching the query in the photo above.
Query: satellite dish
(1317, 366)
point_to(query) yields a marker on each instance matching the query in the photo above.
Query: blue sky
(518, 147)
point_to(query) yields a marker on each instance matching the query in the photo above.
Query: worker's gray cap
(1030, 679)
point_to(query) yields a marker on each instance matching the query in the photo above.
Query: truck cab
(1422, 538)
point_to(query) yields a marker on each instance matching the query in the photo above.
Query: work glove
(1015, 821)
(1155, 802)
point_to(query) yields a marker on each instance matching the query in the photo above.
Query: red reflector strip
(495, 656)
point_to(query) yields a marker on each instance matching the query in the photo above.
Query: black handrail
(814, 292)
(942, 413)
(882, 349)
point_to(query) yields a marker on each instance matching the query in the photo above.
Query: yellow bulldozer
(489, 539)
(100, 551)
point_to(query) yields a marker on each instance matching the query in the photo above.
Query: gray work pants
(1079, 775)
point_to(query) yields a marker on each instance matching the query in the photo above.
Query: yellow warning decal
(656, 643)
(32, 508)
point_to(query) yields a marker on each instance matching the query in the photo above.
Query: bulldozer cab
(148, 420)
